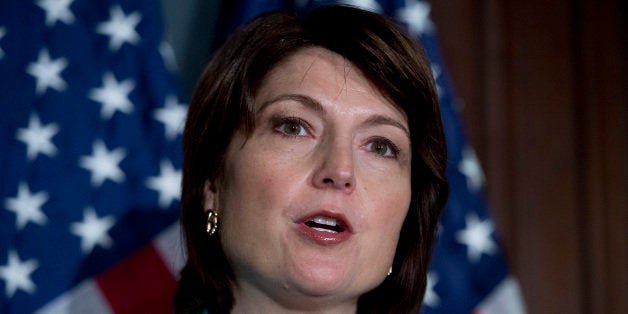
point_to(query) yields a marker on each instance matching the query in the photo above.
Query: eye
(291, 126)
(383, 147)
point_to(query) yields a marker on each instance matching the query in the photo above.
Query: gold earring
(212, 222)
(389, 271)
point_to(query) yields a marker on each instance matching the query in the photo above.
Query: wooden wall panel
(544, 85)
(604, 118)
(544, 145)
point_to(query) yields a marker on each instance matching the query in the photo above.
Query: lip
(324, 237)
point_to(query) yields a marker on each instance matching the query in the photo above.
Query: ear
(210, 197)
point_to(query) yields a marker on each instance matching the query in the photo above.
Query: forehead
(310, 62)
(325, 75)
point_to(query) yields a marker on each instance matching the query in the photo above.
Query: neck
(251, 300)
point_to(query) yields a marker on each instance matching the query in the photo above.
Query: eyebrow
(384, 120)
(304, 100)
(316, 106)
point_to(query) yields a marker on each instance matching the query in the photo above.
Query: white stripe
(169, 246)
(87, 298)
(84, 298)
(506, 298)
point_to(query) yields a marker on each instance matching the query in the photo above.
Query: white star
(120, 28)
(38, 138)
(57, 10)
(27, 206)
(17, 274)
(104, 164)
(369, 5)
(3, 31)
(172, 116)
(113, 95)
(300, 4)
(167, 184)
(93, 230)
(47, 72)
(477, 237)
(431, 299)
(436, 71)
(416, 14)
(167, 54)
(439, 230)
(470, 166)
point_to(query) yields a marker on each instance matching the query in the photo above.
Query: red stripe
(139, 284)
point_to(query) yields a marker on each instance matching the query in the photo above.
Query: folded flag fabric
(90, 158)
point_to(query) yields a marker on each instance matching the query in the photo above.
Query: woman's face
(312, 203)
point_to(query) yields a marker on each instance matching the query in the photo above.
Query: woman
(314, 169)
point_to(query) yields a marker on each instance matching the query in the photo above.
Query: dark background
(544, 89)
(544, 85)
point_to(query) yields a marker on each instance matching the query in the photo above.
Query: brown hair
(223, 104)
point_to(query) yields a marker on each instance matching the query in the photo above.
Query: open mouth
(325, 228)
(326, 224)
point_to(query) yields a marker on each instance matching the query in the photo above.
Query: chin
(329, 281)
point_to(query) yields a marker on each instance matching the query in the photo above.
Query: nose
(335, 168)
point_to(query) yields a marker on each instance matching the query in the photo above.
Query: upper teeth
(325, 221)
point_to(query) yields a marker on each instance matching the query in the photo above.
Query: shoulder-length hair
(222, 104)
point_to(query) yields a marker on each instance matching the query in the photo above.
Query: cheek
(388, 200)
(389, 225)
(255, 192)
(391, 215)
(389, 189)
(244, 212)
(258, 187)
(247, 190)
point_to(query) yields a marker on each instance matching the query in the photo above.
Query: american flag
(90, 156)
